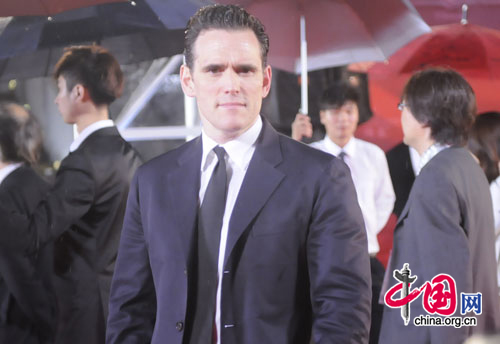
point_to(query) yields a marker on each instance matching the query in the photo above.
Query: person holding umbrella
(339, 113)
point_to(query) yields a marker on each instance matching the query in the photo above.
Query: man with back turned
(84, 210)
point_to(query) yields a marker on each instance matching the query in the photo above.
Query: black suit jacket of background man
(84, 210)
(27, 304)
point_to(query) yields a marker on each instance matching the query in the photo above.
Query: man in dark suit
(446, 226)
(84, 210)
(241, 235)
(27, 304)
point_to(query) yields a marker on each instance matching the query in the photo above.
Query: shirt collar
(4, 172)
(415, 160)
(349, 148)
(89, 130)
(430, 153)
(237, 149)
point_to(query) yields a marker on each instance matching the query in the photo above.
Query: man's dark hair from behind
(336, 95)
(93, 67)
(443, 100)
(20, 134)
(225, 17)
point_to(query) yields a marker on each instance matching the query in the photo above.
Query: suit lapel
(183, 185)
(261, 179)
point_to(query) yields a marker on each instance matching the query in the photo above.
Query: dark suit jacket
(84, 210)
(446, 227)
(27, 304)
(402, 175)
(296, 256)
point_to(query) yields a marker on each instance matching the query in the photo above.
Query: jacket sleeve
(132, 308)
(21, 276)
(384, 194)
(69, 199)
(338, 261)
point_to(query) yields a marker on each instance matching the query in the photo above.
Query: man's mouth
(231, 105)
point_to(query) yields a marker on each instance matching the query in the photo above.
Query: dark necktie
(209, 227)
(342, 155)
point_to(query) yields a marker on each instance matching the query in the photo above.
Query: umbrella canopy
(133, 32)
(45, 7)
(470, 49)
(25, 34)
(473, 50)
(479, 12)
(339, 32)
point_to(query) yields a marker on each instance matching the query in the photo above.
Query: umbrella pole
(145, 91)
(304, 106)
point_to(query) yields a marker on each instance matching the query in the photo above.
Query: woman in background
(27, 311)
(484, 143)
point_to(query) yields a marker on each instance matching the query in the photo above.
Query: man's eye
(214, 70)
(245, 70)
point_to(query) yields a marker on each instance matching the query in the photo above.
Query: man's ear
(322, 116)
(80, 93)
(266, 84)
(187, 81)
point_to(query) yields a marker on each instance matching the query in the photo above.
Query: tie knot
(342, 154)
(220, 152)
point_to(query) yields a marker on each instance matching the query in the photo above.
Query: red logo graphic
(440, 295)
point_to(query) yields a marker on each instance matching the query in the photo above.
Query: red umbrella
(338, 31)
(45, 7)
(479, 12)
(472, 50)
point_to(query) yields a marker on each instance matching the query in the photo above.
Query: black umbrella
(133, 31)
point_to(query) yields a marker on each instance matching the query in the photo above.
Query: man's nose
(343, 116)
(231, 81)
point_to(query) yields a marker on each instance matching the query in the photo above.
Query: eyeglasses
(401, 106)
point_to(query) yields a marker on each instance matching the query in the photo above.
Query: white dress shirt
(415, 160)
(430, 153)
(239, 153)
(372, 181)
(495, 197)
(5, 171)
(89, 130)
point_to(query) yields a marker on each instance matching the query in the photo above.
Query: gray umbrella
(132, 31)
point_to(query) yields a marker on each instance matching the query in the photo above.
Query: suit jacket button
(179, 326)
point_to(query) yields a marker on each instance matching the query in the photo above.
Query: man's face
(65, 101)
(227, 80)
(413, 130)
(341, 123)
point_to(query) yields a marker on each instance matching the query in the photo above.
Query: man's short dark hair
(225, 17)
(444, 101)
(93, 67)
(20, 134)
(336, 95)
(484, 143)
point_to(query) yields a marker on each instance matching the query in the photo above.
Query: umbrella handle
(304, 107)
